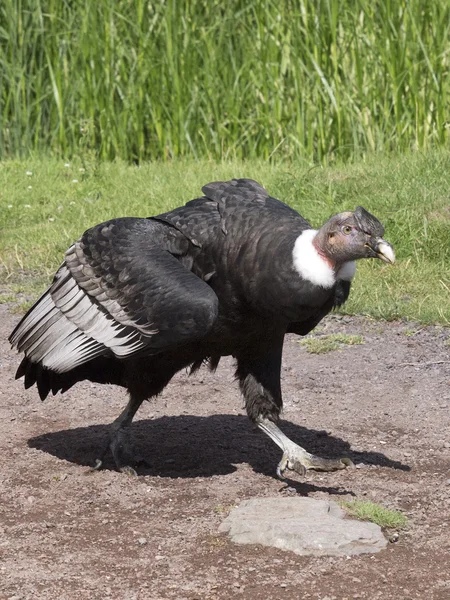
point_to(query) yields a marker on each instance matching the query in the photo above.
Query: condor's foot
(118, 440)
(121, 453)
(125, 469)
(296, 458)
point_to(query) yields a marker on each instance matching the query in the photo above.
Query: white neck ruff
(312, 267)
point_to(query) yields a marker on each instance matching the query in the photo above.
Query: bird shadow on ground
(190, 446)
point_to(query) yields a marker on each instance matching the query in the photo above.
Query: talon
(314, 463)
(282, 466)
(98, 465)
(128, 471)
(328, 464)
(299, 468)
(292, 465)
(297, 458)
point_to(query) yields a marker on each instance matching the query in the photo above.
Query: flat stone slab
(303, 525)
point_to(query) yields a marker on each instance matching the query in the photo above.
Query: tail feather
(22, 368)
(31, 374)
(100, 370)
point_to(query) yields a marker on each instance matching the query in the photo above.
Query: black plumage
(230, 273)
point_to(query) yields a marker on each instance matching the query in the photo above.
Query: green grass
(328, 343)
(304, 79)
(320, 345)
(224, 509)
(409, 193)
(7, 298)
(370, 511)
(21, 308)
(346, 339)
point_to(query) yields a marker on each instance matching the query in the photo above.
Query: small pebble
(142, 541)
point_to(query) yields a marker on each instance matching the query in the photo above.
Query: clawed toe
(121, 454)
(295, 458)
(98, 465)
(328, 464)
(306, 462)
(128, 471)
(123, 469)
(293, 464)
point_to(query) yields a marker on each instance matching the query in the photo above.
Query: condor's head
(353, 235)
(328, 254)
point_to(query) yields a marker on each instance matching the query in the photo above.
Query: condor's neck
(314, 266)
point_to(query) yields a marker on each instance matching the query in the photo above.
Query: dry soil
(67, 533)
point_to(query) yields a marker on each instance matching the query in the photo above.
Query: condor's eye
(347, 229)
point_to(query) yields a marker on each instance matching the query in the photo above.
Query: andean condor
(230, 273)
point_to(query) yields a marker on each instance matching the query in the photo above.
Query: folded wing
(122, 290)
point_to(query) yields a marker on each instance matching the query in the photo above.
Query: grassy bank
(46, 204)
(304, 79)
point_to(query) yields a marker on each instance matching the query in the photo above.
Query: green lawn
(46, 204)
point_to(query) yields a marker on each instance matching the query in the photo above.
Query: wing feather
(119, 292)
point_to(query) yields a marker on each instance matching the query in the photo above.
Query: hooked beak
(383, 250)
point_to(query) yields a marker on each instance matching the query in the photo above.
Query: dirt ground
(68, 533)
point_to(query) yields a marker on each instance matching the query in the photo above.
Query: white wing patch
(85, 277)
(67, 328)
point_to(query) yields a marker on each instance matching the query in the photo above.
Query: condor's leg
(117, 439)
(144, 383)
(259, 380)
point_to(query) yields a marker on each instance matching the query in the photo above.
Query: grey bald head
(350, 236)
